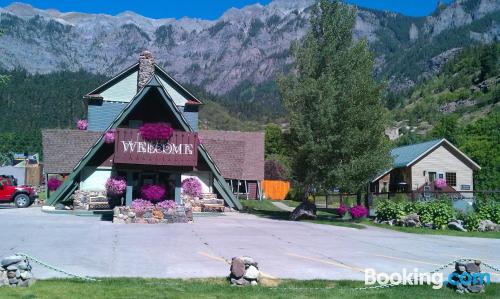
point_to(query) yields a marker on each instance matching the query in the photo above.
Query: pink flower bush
(358, 211)
(191, 187)
(109, 136)
(141, 206)
(166, 205)
(54, 183)
(156, 131)
(153, 192)
(116, 186)
(342, 209)
(82, 124)
(440, 183)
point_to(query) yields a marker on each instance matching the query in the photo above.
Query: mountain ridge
(248, 44)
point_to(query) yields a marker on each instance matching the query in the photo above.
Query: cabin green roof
(404, 155)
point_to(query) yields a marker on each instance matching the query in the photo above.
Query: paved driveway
(89, 246)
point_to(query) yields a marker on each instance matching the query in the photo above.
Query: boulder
(456, 226)
(305, 210)
(252, 273)
(240, 281)
(11, 260)
(411, 220)
(473, 267)
(237, 267)
(488, 226)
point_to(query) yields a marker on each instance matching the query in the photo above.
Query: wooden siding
(122, 91)
(275, 190)
(191, 117)
(101, 116)
(441, 160)
(149, 154)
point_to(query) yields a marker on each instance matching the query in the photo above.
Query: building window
(432, 176)
(451, 179)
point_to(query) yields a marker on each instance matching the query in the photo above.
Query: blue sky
(206, 9)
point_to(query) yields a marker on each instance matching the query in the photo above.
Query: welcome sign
(180, 150)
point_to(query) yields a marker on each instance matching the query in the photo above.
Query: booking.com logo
(435, 279)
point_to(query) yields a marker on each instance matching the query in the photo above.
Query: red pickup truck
(22, 196)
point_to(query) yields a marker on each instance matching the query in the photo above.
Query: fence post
(326, 205)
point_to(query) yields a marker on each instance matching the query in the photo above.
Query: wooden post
(246, 188)
(326, 200)
(128, 194)
(178, 199)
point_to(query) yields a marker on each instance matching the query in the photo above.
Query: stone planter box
(126, 215)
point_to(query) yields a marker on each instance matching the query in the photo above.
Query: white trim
(382, 175)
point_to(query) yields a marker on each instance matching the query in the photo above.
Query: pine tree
(336, 116)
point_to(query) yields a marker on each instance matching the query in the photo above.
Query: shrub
(488, 211)
(156, 131)
(388, 210)
(295, 194)
(358, 211)
(438, 212)
(141, 206)
(192, 187)
(166, 205)
(153, 192)
(82, 124)
(54, 183)
(116, 186)
(472, 221)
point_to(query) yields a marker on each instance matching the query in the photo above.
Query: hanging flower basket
(153, 192)
(109, 136)
(82, 124)
(156, 131)
(116, 186)
(440, 183)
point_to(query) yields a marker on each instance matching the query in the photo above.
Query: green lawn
(128, 288)
(428, 231)
(328, 216)
(265, 208)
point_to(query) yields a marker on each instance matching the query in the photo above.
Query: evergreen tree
(336, 115)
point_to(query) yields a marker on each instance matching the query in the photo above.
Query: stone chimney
(146, 68)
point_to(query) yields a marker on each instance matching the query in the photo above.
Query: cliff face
(248, 44)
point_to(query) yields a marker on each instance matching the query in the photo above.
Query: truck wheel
(22, 200)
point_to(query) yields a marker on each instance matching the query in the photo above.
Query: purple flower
(109, 136)
(156, 131)
(116, 186)
(440, 183)
(342, 209)
(192, 187)
(358, 211)
(166, 205)
(141, 206)
(82, 124)
(153, 192)
(53, 184)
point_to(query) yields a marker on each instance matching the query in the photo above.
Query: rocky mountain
(244, 45)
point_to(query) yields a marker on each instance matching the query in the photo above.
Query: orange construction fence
(275, 190)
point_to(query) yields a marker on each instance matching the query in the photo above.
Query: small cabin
(421, 164)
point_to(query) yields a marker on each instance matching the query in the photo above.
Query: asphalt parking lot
(93, 247)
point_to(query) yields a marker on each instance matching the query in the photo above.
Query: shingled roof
(239, 155)
(63, 148)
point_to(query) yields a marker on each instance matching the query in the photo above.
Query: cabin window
(432, 176)
(451, 179)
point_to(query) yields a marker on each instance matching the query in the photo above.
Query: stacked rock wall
(126, 215)
(15, 271)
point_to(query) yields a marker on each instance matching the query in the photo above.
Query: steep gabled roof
(70, 184)
(192, 100)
